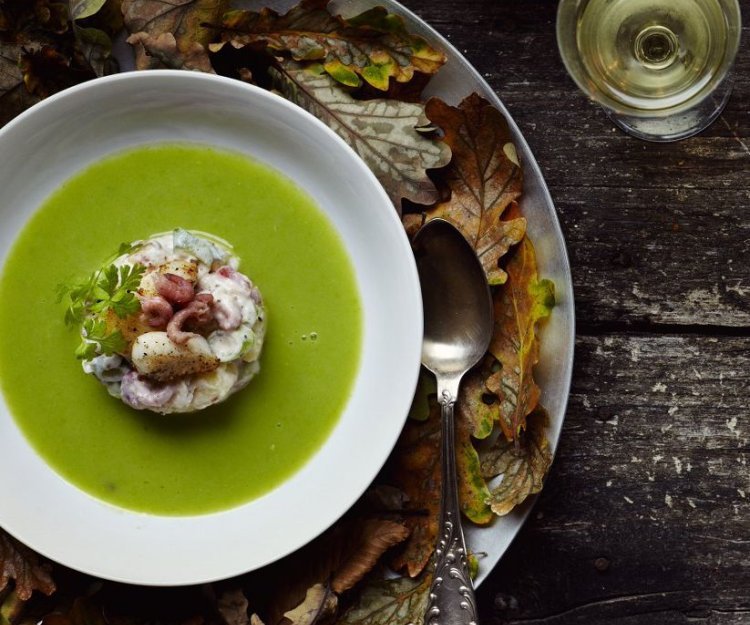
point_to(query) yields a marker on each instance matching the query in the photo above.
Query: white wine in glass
(660, 68)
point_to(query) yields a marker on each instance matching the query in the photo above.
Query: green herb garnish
(110, 288)
(97, 341)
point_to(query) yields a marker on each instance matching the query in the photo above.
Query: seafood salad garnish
(171, 324)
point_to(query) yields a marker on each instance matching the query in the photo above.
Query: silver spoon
(457, 330)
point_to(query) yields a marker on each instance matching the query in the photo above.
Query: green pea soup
(225, 455)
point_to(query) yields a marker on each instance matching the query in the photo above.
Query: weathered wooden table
(645, 517)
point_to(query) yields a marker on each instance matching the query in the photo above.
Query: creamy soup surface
(227, 454)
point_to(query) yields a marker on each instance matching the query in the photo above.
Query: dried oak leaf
(383, 132)
(518, 306)
(474, 405)
(484, 177)
(11, 608)
(376, 537)
(82, 612)
(162, 51)
(19, 563)
(400, 601)
(414, 467)
(472, 489)
(81, 9)
(337, 560)
(103, 15)
(94, 24)
(40, 54)
(51, 16)
(522, 466)
(232, 606)
(14, 97)
(149, 20)
(26, 16)
(319, 603)
(374, 45)
(48, 70)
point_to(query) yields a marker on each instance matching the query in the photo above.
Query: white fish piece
(154, 355)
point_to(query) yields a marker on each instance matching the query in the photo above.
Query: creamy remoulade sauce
(198, 336)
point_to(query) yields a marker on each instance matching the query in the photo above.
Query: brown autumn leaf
(319, 603)
(484, 177)
(32, 16)
(502, 388)
(374, 45)
(384, 499)
(82, 612)
(49, 70)
(519, 305)
(161, 51)
(400, 601)
(14, 96)
(472, 489)
(338, 560)
(474, 405)
(376, 537)
(414, 468)
(51, 16)
(39, 54)
(522, 466)
(150, 20)
(20, 564)
(232, 606)
(95, 22)
(385, 133)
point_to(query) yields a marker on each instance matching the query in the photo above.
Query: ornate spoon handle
(451, 600)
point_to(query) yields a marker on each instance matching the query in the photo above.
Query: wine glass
(661, 69)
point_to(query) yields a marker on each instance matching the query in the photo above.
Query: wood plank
(659, 256)
(658, 233)
(645, 517)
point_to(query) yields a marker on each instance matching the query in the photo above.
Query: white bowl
(55, 139)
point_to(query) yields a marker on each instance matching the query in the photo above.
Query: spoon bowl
(458, 323)
(456, 298)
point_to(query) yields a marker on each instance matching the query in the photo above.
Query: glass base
(675, 127)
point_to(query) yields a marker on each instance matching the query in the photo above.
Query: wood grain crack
(599, 328)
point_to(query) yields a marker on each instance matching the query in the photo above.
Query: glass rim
(565, 30)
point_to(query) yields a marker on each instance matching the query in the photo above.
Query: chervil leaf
(112, 343)
(112, 288)
(98, 341)
(107, 283)
(130, 276)
(86, 350)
